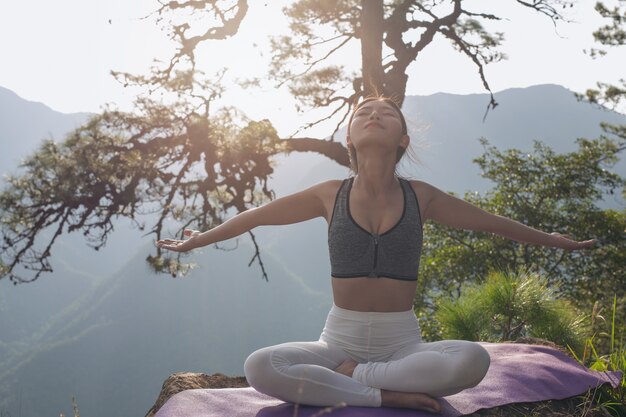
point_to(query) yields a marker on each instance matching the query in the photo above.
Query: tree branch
(463, 46)
(257, 255)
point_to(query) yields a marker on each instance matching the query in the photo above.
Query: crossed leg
(303, 372)
(397, 399)
(436, 368)
(311, 373)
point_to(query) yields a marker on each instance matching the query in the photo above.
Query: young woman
(370, 352)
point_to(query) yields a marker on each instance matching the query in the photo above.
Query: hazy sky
(60, 53)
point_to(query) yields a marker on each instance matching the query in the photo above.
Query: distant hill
(24, 124)
(103, 328)
(451, 124)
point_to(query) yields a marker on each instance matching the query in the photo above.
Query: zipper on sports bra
(375, 253)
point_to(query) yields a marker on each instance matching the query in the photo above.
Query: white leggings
(390, 353)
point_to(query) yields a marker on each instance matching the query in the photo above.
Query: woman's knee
(467, 364)
(477, 362)
(258, 368)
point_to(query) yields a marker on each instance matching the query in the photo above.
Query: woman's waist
(351, 323)
(368, 328)
(373, 294)
(373, 333)
(371, 316)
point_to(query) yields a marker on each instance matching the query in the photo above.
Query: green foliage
(316, 87)
(170, 265)
(549, 192)
(482, 41)
(613, 35)
(194, 168)
(509, 305)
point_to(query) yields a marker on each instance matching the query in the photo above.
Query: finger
(169, 241)
(585, 244)
(589, 241)
(176, 248)
(169, 244)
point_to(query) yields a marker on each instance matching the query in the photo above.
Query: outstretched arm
(294, 208)
(454, 212)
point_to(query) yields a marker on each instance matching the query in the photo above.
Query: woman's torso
(377, 216)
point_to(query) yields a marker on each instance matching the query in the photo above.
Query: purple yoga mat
(518, 373)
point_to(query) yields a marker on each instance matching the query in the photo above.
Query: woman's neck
(375, 176)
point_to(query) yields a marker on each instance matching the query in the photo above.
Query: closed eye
(390, 113)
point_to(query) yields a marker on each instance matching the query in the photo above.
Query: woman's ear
(404, 142)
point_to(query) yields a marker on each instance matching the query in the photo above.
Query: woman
(370, 352)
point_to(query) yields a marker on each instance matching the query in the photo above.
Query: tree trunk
(372, 47)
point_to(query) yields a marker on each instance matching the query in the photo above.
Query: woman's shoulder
(326, 189)
(332, 183)
(327, 192)
(330, 187)
(423, 191)
(420, 185)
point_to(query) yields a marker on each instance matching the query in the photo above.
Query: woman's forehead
(378, 104)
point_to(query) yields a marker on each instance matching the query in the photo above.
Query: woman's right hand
(181, 245)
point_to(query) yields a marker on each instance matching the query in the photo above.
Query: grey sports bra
(356, 252)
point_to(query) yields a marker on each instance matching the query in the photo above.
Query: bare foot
(347, 367)
(413, 400)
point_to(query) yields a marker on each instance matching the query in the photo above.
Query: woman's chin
(375, 144)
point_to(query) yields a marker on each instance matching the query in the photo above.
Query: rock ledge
(182, 381)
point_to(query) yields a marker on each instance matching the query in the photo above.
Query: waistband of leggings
(372, 315)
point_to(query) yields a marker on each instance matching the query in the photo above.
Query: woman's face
(376, 121)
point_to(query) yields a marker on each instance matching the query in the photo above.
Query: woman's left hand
(564, 242)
